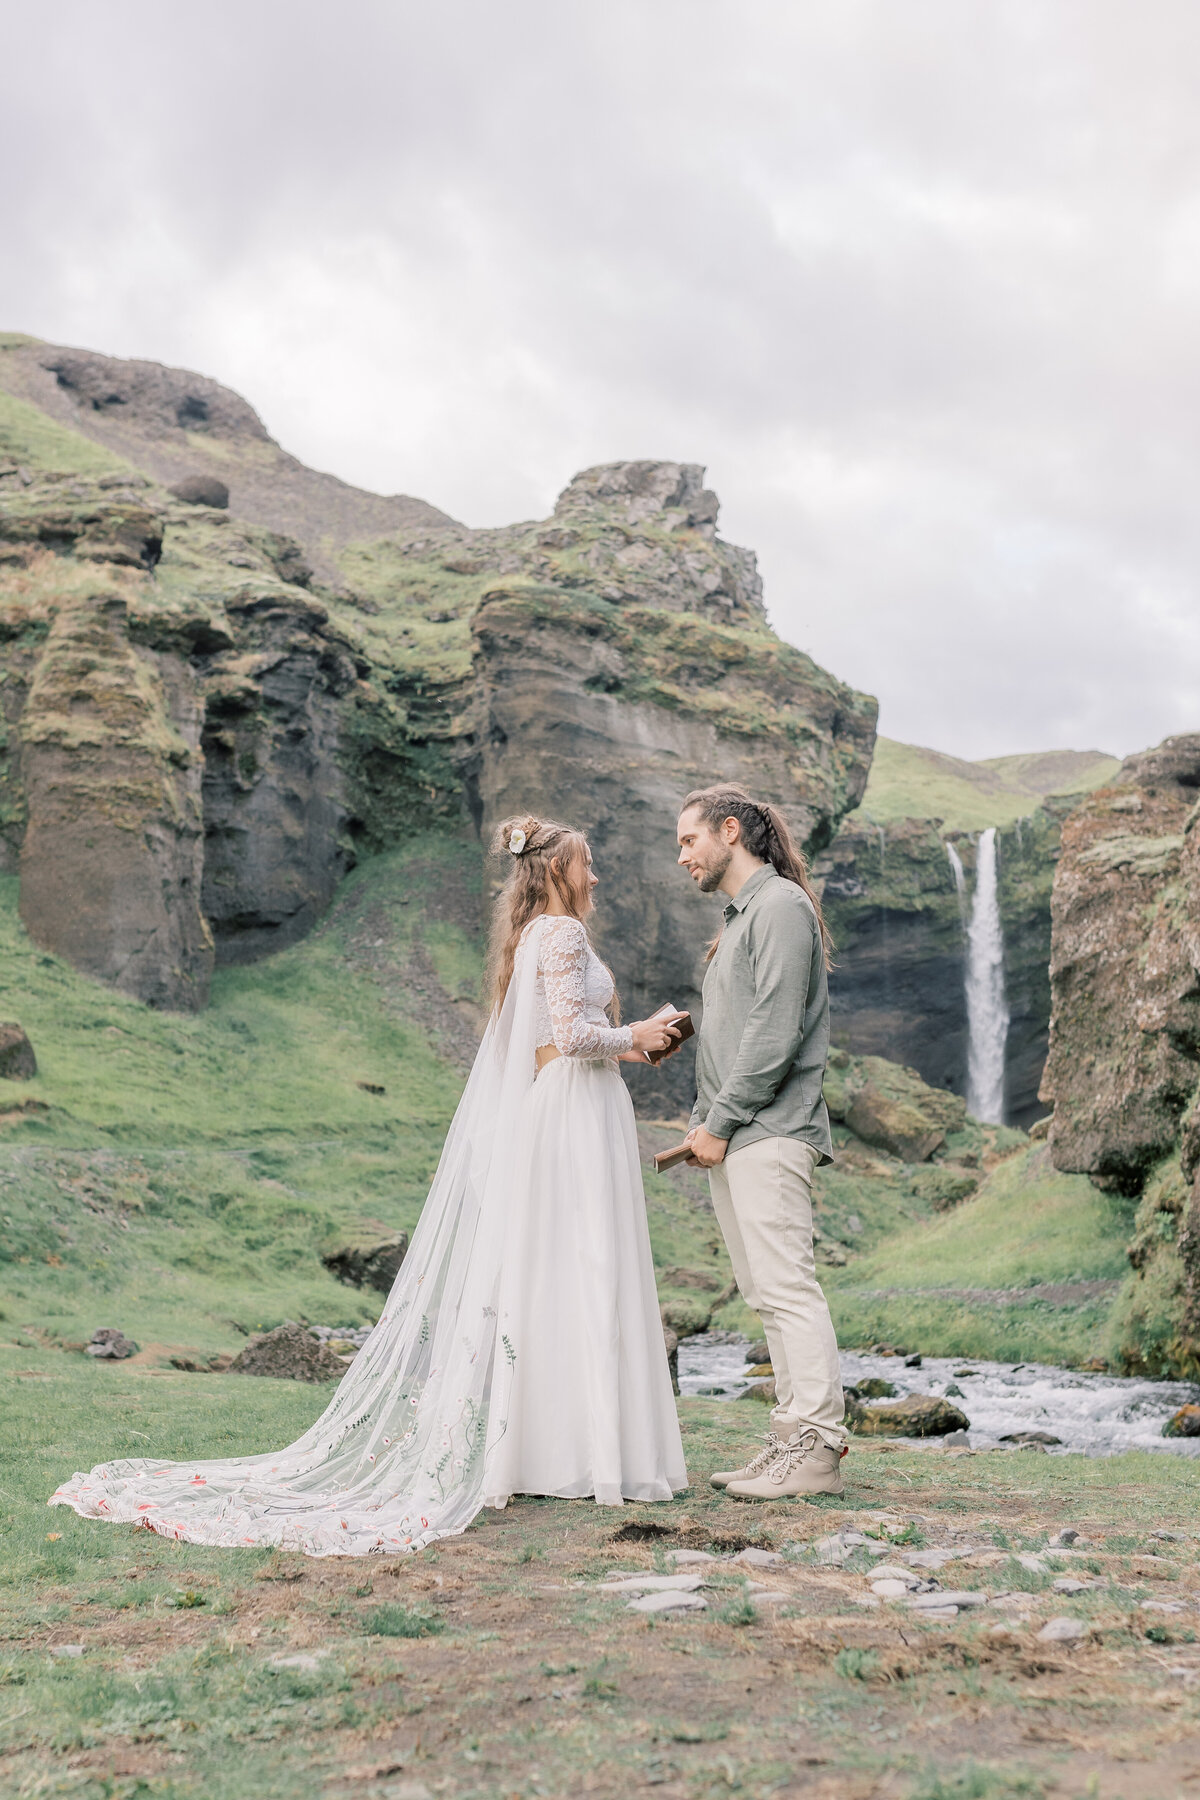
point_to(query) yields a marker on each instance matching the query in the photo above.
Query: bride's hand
(654, 1035)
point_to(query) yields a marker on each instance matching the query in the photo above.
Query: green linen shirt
(764, 1036)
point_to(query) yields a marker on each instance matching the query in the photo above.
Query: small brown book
(670, 1159)
(683, 1020)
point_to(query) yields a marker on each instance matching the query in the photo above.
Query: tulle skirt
(587, 1405)
(520, 1350)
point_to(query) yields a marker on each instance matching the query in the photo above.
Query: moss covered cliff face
(1123, 1072)
(899, 986)
(208, 719)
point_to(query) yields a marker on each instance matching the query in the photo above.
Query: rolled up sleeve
(781, 945)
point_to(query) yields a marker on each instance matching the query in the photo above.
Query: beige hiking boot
(772, 1450)
(804, 1465)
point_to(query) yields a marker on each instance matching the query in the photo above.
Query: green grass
(31, 438)
(909, 781)
(1028, 1225)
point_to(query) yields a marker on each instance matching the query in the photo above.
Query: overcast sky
(918, 280)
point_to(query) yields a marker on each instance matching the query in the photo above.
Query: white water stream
(987, 1004)
(1092, 1415)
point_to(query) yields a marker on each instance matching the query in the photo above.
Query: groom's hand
(707, 1150)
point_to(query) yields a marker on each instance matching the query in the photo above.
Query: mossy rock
(891, 1107)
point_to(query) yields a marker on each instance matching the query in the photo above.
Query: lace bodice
(573, 989)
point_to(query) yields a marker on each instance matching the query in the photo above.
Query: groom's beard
(714, 874)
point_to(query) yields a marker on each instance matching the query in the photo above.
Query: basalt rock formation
(211, 709)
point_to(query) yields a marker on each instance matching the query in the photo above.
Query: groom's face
(703, 853)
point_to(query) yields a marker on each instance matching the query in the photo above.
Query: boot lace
(791, 1456)
(759, 1464)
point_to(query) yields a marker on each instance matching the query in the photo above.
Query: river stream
(1092, 1415)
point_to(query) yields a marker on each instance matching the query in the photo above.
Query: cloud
(917, 283)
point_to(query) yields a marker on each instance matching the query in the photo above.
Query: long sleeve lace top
(573, 989)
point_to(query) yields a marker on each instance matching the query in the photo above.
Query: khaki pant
(762, 1196)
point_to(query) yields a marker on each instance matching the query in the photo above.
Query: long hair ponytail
(766, 835)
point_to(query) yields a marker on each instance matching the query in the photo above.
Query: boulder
(290, 1353)
(201, 490)
(17, 1061)
(373, 1265)
(917, 1415)
(891, 1107)
(873, 1388)
(1184, 1423)
(686, 1317)
(111, 1345)
(758, 1351)
(760, 1390)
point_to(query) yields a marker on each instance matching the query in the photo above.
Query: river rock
(758, 1351)
(290, 1353)
(110, 1345)
(1030, 1439)
(1184, 1423)
(373, 1265)
(17, 1060)
(917, 1415)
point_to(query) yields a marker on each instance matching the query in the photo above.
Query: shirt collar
(748, 890)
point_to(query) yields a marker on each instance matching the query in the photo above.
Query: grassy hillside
(179, 1176)
(1009, 1273)
(908, 781)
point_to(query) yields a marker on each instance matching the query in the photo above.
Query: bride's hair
(547, 859)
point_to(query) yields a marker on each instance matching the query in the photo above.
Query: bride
(520, 1350)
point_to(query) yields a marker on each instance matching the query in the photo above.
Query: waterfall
(960, 881)
(987, 1005)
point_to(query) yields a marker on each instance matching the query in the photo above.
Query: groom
(759, 1125)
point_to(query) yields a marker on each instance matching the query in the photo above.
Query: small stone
(660, 1584)
(669, 1602)
(680, 1557)
(912, 1362)
(1067, 1584)
(1027, 1440)
(1068, 1535)
(893, 1572)
(768, 1596)
(1034, 1564)
(940, 1614)
(953, 1597)
(760, 1559)
(1162, 1606)
(1168, 1537)
(1062, 1631)
(66, 1649)
(890, 1590)
(956, 1440)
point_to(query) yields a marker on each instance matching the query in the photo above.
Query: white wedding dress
(520, 1350)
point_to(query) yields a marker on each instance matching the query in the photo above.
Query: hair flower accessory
(516, 842)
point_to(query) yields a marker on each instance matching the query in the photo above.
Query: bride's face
(580, 880)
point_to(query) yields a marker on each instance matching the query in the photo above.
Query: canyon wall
(209, 719)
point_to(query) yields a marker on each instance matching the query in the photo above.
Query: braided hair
(766, 835)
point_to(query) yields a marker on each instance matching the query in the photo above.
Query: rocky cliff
(1123, 1073)
(208, 720)
(899, 986)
